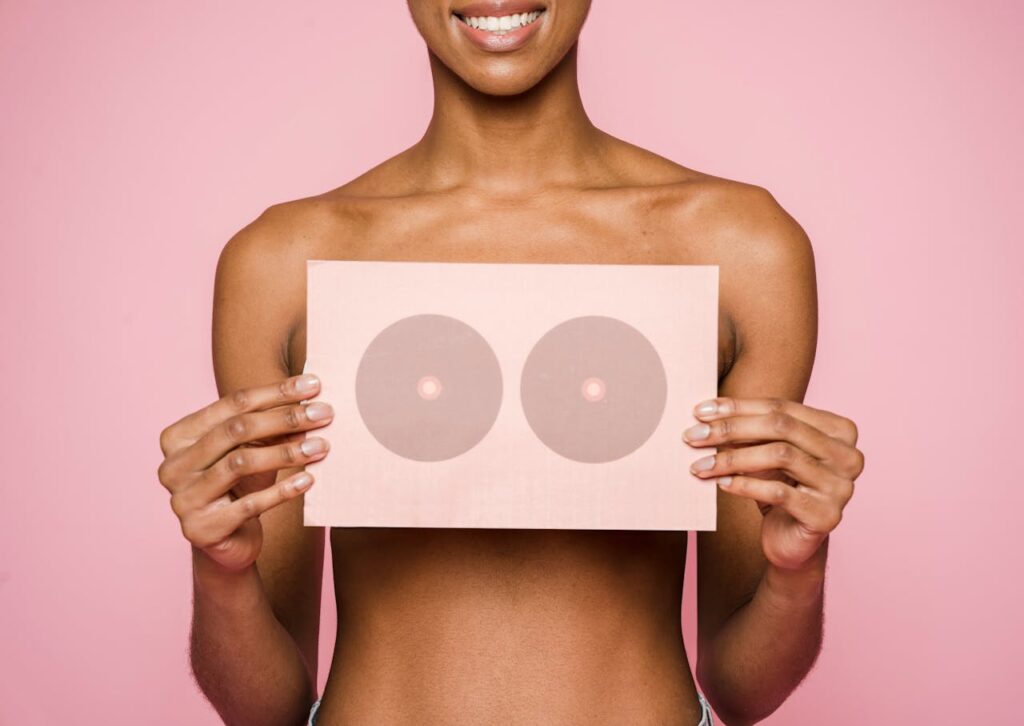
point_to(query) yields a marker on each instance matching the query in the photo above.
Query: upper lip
(484, 8)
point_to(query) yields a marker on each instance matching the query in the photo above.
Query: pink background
(135, 138)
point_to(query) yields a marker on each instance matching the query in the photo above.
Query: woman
(497, 626)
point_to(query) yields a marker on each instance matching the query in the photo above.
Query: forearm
(765, 648)
(244, 660)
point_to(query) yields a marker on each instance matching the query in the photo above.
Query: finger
(247, 428)
(774, 456)
(830, 423)
(227, 518)
(216, 523)
(817, 514)
(772, 426)
(177, 477)
(194, 426)
(246, 461)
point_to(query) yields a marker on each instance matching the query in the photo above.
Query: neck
(507, 144)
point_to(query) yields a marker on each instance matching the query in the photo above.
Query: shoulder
(760, 248)
(765, 257)
(260, 280)
(325, 225)
(281, 235)
(269, 253)
(767, 279)
(767, 286)
(750, 226)
(737, 222)
(740, 224)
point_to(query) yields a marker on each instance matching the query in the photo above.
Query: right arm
(256, 569)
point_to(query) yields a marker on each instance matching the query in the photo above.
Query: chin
(499, 47)
(503, 79)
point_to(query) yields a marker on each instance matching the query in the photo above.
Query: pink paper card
(535, 396)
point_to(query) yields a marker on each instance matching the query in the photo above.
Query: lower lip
(495, 43)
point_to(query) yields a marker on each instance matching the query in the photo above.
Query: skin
(499, 626)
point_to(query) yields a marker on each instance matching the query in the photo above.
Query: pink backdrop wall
(135, 138)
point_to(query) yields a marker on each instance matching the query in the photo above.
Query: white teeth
(501, 24)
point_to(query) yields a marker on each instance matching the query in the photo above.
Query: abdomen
(508, 626)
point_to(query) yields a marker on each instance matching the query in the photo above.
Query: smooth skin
(512, 626)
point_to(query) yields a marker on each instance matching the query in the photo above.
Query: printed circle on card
(429, 387)
(593, 389)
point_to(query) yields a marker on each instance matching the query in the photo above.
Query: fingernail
(700, 431)
(307, 383)
(725, 480)
(706, 408)
(703, 464)
(313, 446)
(302, 481)
(318, 411)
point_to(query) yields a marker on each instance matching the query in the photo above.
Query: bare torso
(495, 626)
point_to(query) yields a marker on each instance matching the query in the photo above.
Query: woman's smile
(499, 26)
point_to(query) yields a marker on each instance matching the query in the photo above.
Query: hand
(221, 461)
(801, 479)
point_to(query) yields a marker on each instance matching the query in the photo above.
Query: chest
(568, 233)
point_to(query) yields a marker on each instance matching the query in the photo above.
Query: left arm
(789, 472)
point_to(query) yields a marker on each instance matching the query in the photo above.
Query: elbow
(733, 717)
(732, 711)
(742, 704)
(732, 706)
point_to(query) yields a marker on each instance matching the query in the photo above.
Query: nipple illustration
(593, 389)
(428, 387)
